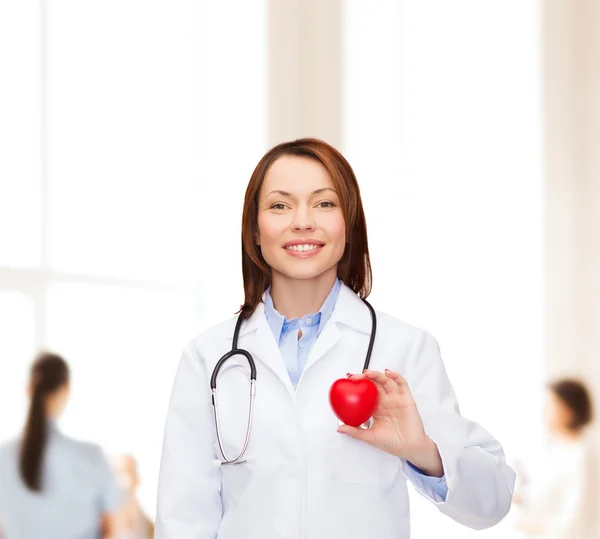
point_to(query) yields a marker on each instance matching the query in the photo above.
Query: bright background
(129, 130)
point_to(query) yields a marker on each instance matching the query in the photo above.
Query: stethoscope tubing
(235, 351)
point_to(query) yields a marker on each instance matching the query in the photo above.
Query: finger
(380, 389)
(354, 432)
(398, 378)
(389, 385)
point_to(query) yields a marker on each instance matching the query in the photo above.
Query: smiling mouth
(303, 247)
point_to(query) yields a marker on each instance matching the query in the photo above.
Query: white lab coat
(302, 479)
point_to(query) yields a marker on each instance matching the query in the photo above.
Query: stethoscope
(235, 351)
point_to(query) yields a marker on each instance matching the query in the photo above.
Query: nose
(303, 219)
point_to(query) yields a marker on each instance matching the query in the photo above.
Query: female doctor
(305, 263)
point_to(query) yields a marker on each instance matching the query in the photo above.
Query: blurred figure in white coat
(557, 498)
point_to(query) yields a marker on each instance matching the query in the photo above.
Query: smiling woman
(303, 224)
(303, 326)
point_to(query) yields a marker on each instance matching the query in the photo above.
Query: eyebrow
(286, 194)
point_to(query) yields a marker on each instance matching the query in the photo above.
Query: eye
(326, 204)
(278, 206)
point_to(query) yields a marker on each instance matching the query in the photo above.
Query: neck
(566, 435)
(53, 411)
(294, 298)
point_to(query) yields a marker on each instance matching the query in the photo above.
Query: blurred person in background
(556, 498)
(133, 522)
(52, 486)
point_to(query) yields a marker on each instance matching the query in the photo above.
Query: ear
(257, 237)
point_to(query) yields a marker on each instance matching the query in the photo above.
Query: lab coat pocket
(356, 462)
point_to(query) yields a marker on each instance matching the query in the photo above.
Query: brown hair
(49, 373)
(577, 398)
(354, 268)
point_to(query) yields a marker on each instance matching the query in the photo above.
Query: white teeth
(304, 247)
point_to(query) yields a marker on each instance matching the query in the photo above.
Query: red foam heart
(353, 401)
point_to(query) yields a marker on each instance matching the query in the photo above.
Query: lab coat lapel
(266, 349)
(349, 311)
(257, 337)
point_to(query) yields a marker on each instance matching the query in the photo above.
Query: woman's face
(558, 415)
(301, 228)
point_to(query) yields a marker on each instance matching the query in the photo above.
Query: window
(20, 132)
(125, 121)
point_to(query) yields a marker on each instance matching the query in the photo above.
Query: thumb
(354, 432)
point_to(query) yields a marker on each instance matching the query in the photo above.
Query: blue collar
(277, 321)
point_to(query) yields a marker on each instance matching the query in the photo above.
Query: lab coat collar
(253, 322)
(349, 311)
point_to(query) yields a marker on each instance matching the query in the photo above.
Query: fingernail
(387, 369)
(348, 374)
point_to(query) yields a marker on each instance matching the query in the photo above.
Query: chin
(300, 271)
(301, 274)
